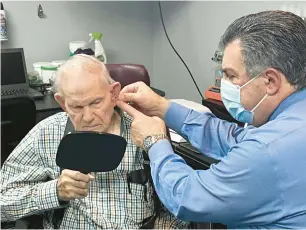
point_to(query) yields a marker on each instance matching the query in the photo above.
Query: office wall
(133, 33)
(126, 26)
(195, 29)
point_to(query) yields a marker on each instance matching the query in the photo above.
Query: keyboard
(21, 92)
(14, 92)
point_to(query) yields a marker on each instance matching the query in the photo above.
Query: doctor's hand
(73, 185)
(142, 125)
(144, 99)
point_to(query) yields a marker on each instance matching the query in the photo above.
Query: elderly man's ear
(60, 101)
(115, 90)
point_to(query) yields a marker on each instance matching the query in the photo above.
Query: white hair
(81, 62)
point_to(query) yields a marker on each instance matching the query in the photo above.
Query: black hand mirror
(90, 152)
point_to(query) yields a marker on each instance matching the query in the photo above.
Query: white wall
(195, 29)
(126, 27)
(133, 33)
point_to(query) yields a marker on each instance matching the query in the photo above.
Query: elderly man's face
(89, 101)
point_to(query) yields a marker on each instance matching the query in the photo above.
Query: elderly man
(31, 182)
(260, 181)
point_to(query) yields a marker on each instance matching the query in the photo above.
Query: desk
(219, 110)
(47, 103)
(46, 107)
(194, 160)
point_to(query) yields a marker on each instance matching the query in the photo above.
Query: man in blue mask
(260, 181)
(231, 97)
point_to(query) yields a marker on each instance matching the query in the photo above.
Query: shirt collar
(292, 99)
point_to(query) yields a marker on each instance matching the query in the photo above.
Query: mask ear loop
(250, 81)
(246, 124)
(259, 103)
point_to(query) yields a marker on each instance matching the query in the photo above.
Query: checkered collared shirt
(29, 177)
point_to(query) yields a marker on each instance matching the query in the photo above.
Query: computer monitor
(13, 68)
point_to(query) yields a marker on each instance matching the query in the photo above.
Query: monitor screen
(12, 68)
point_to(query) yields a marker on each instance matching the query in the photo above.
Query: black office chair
(18, 117)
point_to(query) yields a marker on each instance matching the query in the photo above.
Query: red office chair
(130, 73)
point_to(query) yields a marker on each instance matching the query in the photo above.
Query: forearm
(28, 199)
(211, 135)
(226, 193)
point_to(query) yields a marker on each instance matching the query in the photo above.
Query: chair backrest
(18, 117)
(128, 73)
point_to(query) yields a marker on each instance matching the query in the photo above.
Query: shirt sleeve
(209, 134)
(25, 185)
(238, 191)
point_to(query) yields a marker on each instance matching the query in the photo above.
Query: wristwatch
(152, 139)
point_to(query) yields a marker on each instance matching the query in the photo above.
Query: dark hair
(89, 51)
(274, 39)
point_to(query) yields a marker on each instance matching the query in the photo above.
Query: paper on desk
(176, 137)
(192, 105)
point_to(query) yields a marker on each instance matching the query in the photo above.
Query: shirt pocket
(139, 202)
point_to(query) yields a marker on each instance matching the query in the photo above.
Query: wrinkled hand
(144, 99)
(73, 185)
(142, 125)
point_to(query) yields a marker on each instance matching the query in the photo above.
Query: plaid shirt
(29, 177)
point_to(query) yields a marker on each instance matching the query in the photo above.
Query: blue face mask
(231, 97)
